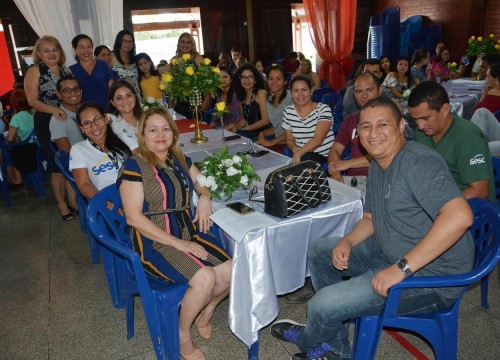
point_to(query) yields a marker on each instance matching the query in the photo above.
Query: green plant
(480, 46)
(184, 80)
(223, 173)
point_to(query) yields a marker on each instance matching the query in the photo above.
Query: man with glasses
(366, 87)
(350, 104)
(67, 133)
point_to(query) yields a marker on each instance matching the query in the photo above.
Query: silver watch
(404, 267)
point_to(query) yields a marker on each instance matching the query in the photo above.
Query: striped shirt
(303, 128)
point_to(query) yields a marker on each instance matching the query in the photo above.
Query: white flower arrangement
(223, 173)
(150, 102)
(406, 94)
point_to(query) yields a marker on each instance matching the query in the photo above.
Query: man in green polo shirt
(461, 143)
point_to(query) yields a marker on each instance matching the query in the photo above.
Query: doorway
(156, 31)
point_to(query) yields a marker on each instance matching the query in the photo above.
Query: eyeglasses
(87, 124)
(252, 193)
(67, 91)
(249, 77)
(127, 41)
(445, 53)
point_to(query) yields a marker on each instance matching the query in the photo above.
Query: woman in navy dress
(174, 242)
(94, 76)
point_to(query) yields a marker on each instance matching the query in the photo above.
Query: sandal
(67, 217)
(73, 210)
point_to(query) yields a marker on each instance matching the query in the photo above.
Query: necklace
(111, 154)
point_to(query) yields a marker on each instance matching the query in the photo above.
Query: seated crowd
(92, 110)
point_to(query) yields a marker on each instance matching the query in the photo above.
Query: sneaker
(286, 330)
(302, 295)
(324, 352)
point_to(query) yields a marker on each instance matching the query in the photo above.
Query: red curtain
(331, 23)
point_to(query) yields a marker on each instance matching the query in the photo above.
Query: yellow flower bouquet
(483, 45)
(220, 109)
(453, 66)
(184, 80)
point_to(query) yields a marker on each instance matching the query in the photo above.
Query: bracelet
(207, 193)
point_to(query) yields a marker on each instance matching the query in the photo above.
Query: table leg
(253, 350)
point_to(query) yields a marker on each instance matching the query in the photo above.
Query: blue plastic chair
(497, 115)
(440, 328)
(126, 275)
(409, 30)
(319, 93)
(4, 186)
(207, 116)
(335, 101)
(62, 161)
(496, 173)
(39, 176)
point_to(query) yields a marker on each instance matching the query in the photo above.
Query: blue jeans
(338, 300)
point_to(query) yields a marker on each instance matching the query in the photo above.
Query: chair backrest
(106, 210)
(61, 159)
(319, 93)
(496, 173)
(4, 189)
(497, 115)
(335, 101)
(485, 231)
(106, 221)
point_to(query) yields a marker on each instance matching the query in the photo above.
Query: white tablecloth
(464, 95)
(213, 144)
(272, 260)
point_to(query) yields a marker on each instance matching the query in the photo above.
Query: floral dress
(391, 81)
(233, 115)
(130, 74)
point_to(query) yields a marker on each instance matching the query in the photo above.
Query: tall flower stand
(195, 101)
(222, 129)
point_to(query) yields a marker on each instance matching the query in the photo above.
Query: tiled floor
(54, 303)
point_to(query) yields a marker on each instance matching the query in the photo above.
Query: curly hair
(258, 81)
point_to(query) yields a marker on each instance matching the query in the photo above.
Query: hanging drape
(331, 24)
(64, 19)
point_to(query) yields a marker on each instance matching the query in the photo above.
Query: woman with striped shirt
(307, 125)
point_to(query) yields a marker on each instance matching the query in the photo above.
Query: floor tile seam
(488, 312)
(51, 244)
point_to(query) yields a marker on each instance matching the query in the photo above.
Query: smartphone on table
(240, 208)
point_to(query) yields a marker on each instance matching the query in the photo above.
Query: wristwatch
(404, 267)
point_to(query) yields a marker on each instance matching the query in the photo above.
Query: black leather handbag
(295, 188)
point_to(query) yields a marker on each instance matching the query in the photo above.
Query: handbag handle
(315, 177)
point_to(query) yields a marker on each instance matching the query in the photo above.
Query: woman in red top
(490, 99)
